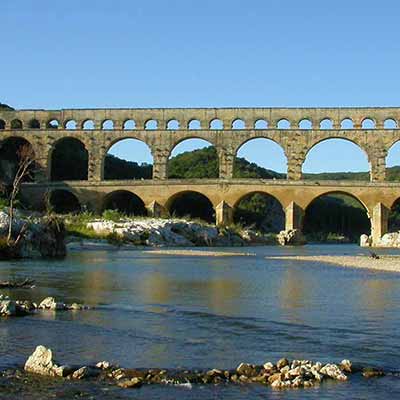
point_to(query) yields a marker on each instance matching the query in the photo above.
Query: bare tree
(26, 160)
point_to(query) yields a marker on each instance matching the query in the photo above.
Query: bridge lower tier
(224, 195)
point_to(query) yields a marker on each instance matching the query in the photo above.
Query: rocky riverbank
(33, 236)
(284, 374)
(15, 308)
(155, 232)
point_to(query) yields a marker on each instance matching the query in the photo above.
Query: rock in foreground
(12, 308)
(41, 237)
(284, 374)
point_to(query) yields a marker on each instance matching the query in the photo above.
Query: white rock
(41, 362)
(8, 307)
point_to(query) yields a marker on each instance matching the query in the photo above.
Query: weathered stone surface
(389, 240)
(49, 303)
(133, 383)
(365, 240)
(292, 237)
(41, 362)
(8, 308)
(85, 372)
(42, 238)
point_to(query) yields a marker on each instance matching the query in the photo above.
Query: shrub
(113, 215)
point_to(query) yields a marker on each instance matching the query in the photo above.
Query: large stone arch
(187, 139)
(115, 140)
(64, 201)
(71, 161)
(279, 151)
(205, 210)
(351, 193)
(124, 201)
(9, 147)
(257, 213)
(315, 142)
(337, 215)
(312, 144)
(188, 135)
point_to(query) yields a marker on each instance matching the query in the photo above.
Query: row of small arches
(195, 124)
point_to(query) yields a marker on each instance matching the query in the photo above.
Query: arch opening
(128, 159)
(125, 202)
(194, 124)
(260, 211)
(260, 158)
(390, 123)
(2, 124)
(216, 124)
(53, 124)
(71, 124)
(368, 123)
(88, 124)
(394, 217)
(11, 150)
(193, 159)
(151, 124)
(305, 124)
(347, 123)
(336, 217)
(107, 124)
(191, 204)
(69, 160)
(326, 123)
(173, 124)
(129, 124)
(322, 164)
(16, 124)
(34, 124)
(238, 124)
(261, 124)
(283, 124)
(393, 163)
(64, 202)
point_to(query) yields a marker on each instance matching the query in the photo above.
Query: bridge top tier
(208, 118)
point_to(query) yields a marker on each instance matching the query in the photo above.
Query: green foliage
(116, 168)
(6, 107)
(202, 163)
(262, 212)
(113, 215)
(3, 203)
(244, 169)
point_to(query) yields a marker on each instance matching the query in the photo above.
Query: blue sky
(123, 53)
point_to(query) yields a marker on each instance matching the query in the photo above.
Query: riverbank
(383, 263)
(120, 230)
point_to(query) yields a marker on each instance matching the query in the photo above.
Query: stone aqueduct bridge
(227, 129)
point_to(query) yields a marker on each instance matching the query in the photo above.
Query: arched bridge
(296, 130)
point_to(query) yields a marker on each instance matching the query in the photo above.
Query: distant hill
(5, 107)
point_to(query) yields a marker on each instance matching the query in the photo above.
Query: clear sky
(186, 53)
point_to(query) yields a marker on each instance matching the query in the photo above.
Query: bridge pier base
(223, 214)
(379, 222)
(293, 217)
(156, 210)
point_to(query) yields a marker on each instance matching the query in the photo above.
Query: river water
(175, 311)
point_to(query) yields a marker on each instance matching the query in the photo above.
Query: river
(175, 311)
